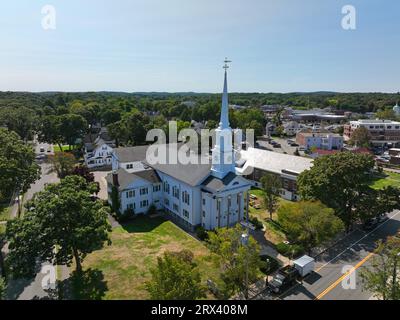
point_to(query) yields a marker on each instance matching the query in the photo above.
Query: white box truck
(304, 265)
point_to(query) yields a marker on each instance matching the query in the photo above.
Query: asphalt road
(333, 278)
(27, 289)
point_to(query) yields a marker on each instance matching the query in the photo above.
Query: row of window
(142, 191)
(175, 193)
(143, 204)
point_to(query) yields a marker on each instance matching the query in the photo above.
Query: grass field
(64, 148)
(119, 271)
(385, 180)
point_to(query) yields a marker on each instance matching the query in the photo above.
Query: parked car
(41, 149)
(294, 144)
(276, 145)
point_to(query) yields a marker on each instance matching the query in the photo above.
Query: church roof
(192, 174)
(215, 184)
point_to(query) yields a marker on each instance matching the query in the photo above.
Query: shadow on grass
(143, 224)
(88, 285)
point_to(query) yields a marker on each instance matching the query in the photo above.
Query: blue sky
(179, 45)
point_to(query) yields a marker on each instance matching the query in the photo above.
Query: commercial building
(382, 133)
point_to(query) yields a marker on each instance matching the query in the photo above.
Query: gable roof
(215, 184)
(125, 178)
(273, 162)
(131, 154)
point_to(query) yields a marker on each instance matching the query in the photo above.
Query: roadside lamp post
(245, 242)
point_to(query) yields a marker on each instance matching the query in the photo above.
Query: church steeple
(224, 122)
(223, 158)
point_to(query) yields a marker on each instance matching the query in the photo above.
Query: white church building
(208, 193)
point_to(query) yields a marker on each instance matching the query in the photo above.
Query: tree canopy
(18, 169)
(236, 259)
(62, 223)
(176, 277)
(309, 223)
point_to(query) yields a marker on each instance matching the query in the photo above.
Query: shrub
(269, 264)
(127, 215)
(289, 250)
(257, 223)
(202, 233)
(152, 210)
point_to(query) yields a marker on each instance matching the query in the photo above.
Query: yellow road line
(334, 285)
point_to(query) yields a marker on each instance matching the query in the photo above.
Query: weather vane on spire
(226, 66)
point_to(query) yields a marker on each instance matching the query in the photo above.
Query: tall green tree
(239, 263)
(309, 223)
(71, 128)
(21, 120)
(176, 277)
(49, 130)
(382, 277)
(18, 169)
(387, 114)
(62, 163)
(271, 185)
(360, 137)
(63, 216)
(339, 181)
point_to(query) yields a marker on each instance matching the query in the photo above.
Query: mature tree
(309, 223)
(84, 172)
(118, 132)
(63, 216)
(89, 111)
(71, 128)
(176, 277)
(271, 185)
(62, 163)
(382, 277)
(18, 169)
(360, 137)
(21, 120)
(237, 259)
(338, 181)
(137, 125)
(387, 114)
(110, 115)
(49, 130)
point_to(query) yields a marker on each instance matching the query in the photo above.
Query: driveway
(100, 177)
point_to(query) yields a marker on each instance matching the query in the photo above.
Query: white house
(206, 193)
(98, 149)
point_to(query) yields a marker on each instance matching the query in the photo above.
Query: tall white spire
(223, 157)
(224, 122)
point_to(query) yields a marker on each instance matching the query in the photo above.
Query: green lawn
(64, 148)
(385, 180)
(272, 233)
(119, 271)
